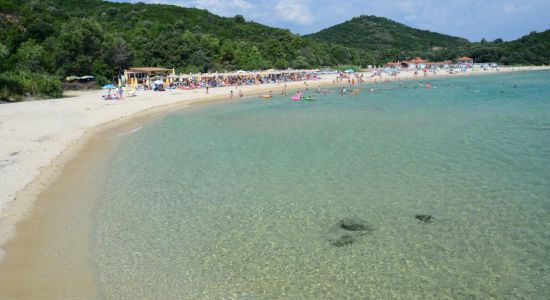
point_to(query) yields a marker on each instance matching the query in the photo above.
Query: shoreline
(45, 135)
(22, 186)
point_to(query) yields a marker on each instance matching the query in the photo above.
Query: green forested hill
(533, 48)
(149, 34)
(73, 37)
(387, 40)
(378, 34)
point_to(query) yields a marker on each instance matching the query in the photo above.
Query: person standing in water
(231, 94)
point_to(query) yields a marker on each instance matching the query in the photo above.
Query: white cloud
(296, 12)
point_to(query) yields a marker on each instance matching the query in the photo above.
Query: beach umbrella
(109, 86)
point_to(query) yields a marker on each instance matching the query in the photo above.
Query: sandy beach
(38, 137)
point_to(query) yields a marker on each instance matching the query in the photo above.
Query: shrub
(14, 86)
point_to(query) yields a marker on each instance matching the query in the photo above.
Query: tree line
(42, 42)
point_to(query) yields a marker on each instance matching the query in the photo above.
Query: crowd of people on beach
(213, 81)
(172, 83)
(346, 79)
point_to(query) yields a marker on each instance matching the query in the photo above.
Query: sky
(471, 19)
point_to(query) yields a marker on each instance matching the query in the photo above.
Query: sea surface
(244, 199)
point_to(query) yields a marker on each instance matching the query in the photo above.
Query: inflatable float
(266, 96)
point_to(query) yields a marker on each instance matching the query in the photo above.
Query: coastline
(40, 137)
(45, 135)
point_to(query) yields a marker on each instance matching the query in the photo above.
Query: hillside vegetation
(379, 34)
(72, 37)
(42, 41)
(387, 40)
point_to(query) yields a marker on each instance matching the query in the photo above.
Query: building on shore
(142, 74)
(465, 62)
(417, 64)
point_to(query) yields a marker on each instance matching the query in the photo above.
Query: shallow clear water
(237, 200)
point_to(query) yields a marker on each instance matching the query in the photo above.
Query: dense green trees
(385, 40)
(71, 37)
(94, 37)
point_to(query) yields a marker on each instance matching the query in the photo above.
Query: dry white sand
(35, 134)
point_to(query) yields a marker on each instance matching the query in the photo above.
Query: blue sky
(472, 19)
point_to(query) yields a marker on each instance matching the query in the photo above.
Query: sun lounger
(110, 97)
(131, 93)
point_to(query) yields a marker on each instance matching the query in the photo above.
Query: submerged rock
(353, 224)
(344, 240)
(347, 231)
(424, 218)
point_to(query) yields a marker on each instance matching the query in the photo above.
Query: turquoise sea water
(238, 200)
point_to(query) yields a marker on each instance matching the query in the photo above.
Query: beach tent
(109, 87)
(349, 71)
